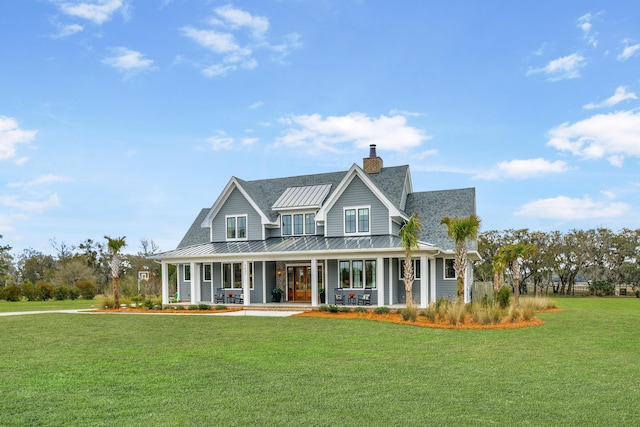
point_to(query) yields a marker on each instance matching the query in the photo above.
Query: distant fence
(480, 289)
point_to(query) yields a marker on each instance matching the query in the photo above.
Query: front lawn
(7, 306)
(579, 368)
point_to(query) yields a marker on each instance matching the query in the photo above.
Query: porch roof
(277, 245)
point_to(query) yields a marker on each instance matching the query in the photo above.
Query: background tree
(409, 234)
(511, 255)
(114, 246)
(6, 261)
(461, 229)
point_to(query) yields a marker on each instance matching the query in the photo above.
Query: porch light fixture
(279, 272)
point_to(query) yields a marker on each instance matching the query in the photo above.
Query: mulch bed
(426, 323)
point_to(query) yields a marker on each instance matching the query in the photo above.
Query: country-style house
(333, 231)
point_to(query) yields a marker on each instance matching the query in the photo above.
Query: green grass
(6, 306)
(580, 368)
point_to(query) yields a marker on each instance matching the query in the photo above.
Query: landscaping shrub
(537, 303)
(333, 308)
(148, 304)
(344, 309)
(431, 312)
(61, 292)
(221, 307)
(527, 313)
(514, 313)
(30, 291)
(73, 293)
(12, 293)
(204, 306)
(46, 290)
(360, 310)
(323, 307)
(193, 307)
(382, 310)
(179, 307)
(87, 289)
(637, 293)
(601, 288)
(504, 296)
(409, 313)
(106, 301)
(456, 313)
(488, 314)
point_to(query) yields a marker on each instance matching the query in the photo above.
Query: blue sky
(125, 117)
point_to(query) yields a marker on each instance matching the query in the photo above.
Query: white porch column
(314, 282)
(264, 282)
(246, 286)
(380, 279)
(165, 282)
(195, 283)
(424, 282)
(390, 281)
(432, 279)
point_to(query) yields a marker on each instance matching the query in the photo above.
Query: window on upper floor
(356, 220)
(449, 270)
(298, 224)
(237, 227)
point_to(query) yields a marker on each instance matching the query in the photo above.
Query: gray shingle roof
(434, 205)
(196, 234)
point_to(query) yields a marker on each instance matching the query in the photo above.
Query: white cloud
(256, 105)
(30, 206)
(569, 209)
(128, 61)
(11, 135)
(620, 95)
(237, 18)
(612, 136)
(523, 169)
(221, 141)
(249, 141)
(98, 12)
(41, 180)
(566, 67)
(236, 36)
(67, 30)
(585, 25)
(628, 52)
(316, 134)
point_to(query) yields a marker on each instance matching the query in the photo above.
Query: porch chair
(365, 298)
(219, 297)
(238, 299)
(338, 296)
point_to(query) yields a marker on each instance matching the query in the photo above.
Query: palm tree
(512, 254)
(409, 234)
(460, 229)
(114, 246)
(498, 265)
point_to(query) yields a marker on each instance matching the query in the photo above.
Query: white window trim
(344, 221)
(417, 274)
(305, 232)
(184, 272)
(204, 273)
(246, 222)
(251, 275)
(444, 270)
(364, 273)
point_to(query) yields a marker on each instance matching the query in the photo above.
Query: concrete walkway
(256, 313)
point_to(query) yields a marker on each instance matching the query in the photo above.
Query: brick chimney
(373, 163)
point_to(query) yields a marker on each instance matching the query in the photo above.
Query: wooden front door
(299, 283)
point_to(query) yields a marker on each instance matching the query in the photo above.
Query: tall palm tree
(409, 234)
(461, 229)
(114, 246)
(498, 265)
(512, 254)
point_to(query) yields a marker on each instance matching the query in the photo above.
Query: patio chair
(219, 297)
(239, 299)
(365, 298)
(338, 296)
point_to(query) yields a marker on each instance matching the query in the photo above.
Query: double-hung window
(187, 272)
(298, 224)
(357, 274)
(207, 272)
(449, 270)
(415, 263)
(237, 227)
(356, 220)
(232, 275)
